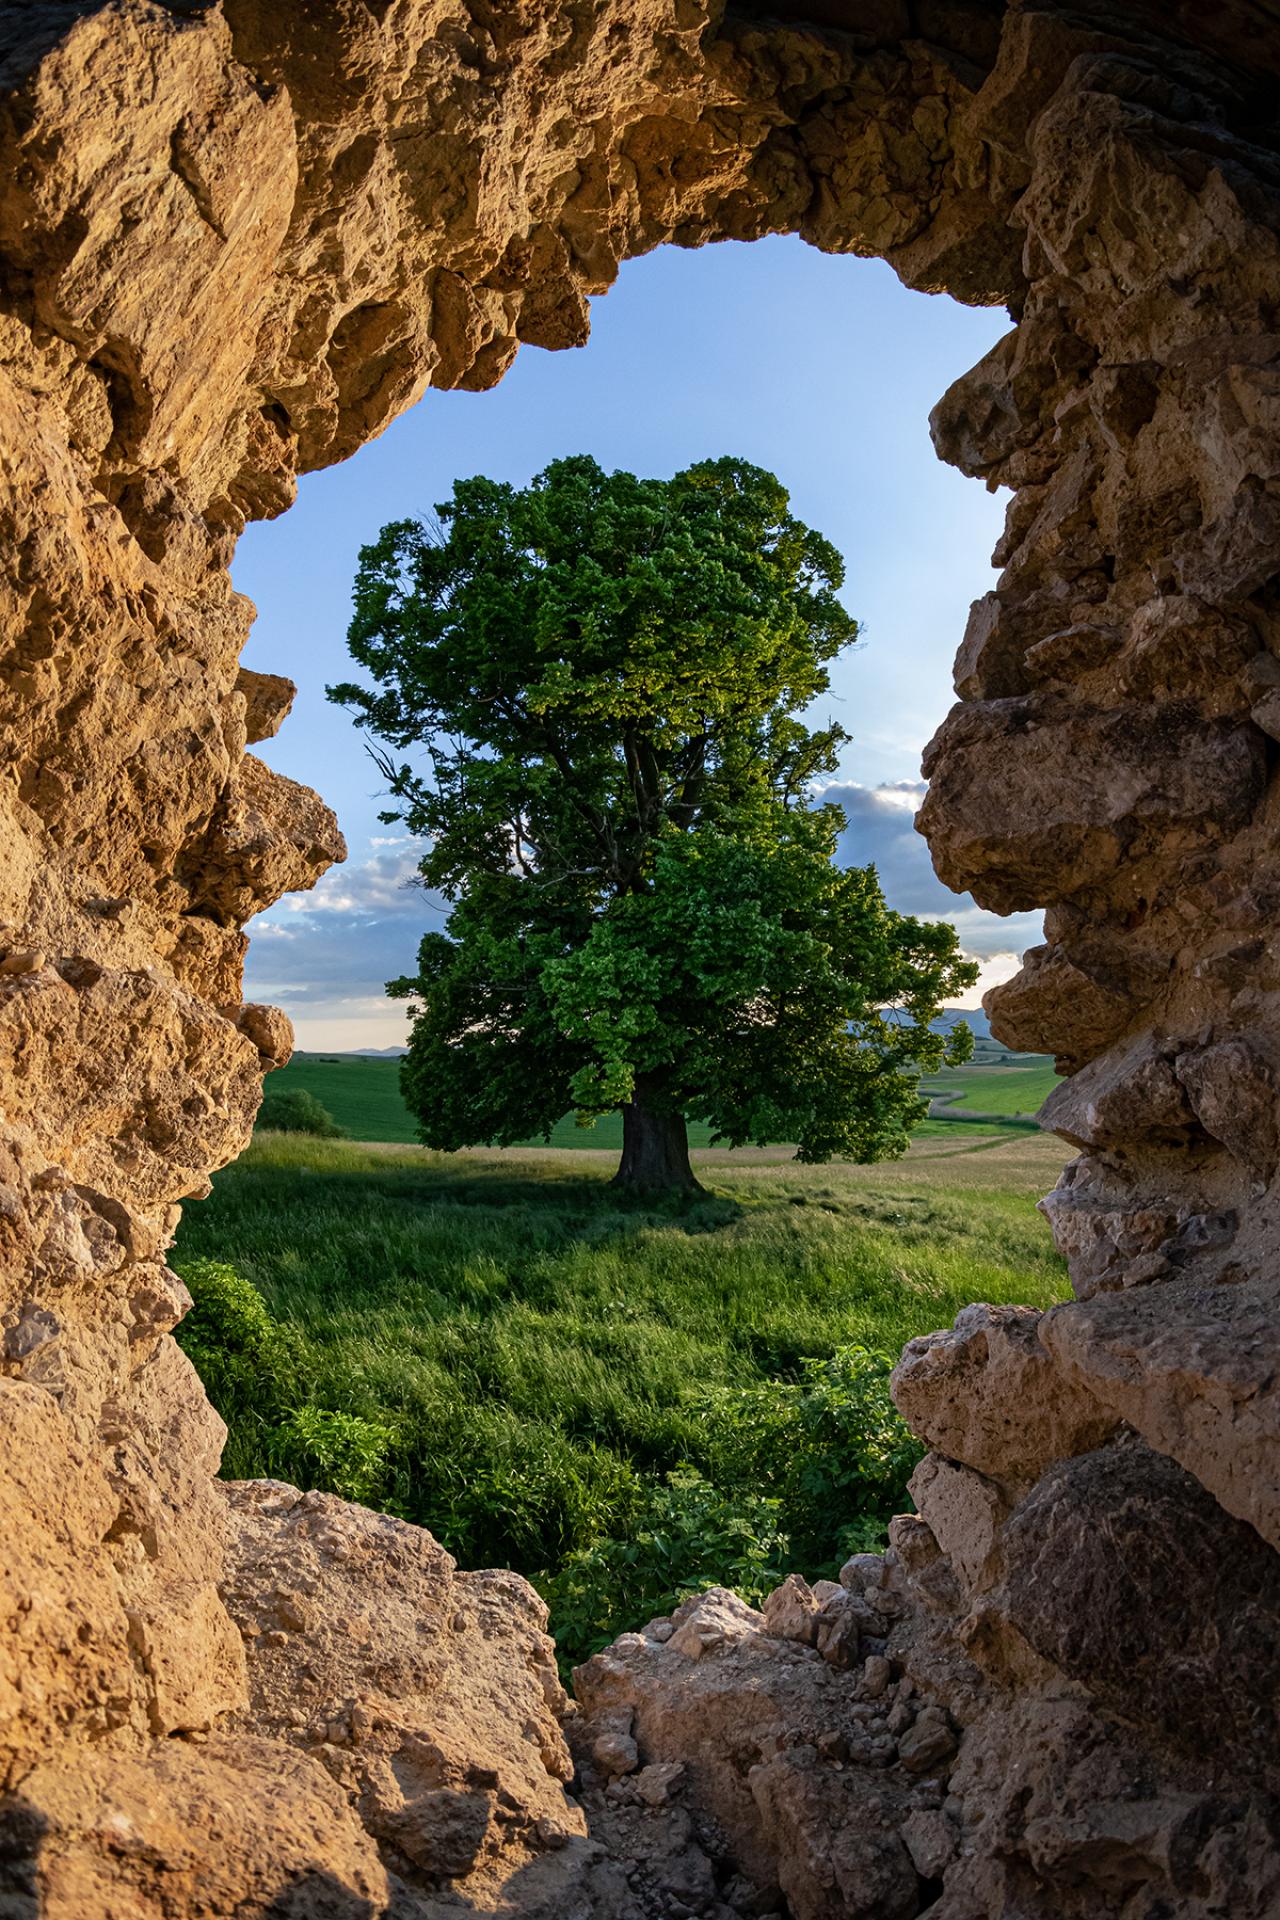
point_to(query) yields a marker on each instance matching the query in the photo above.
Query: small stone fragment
(791, 1611)
(931, 1840)
(876, 1675)
(615, 1754)
(928, 1742)
(841, 1623)
(656, 1784)
(862, 1571)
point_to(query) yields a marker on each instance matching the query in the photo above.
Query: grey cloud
(342, 942)
(881, 831)
(385, 883)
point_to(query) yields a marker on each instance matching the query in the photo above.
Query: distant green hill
(1015, 1084)
(362, 1092)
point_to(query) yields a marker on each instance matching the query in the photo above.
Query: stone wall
(239, 238)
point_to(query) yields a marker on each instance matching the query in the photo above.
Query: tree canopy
(588, 696)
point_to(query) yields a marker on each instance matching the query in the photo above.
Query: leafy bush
(686, 1535)
(340, 1452)
(294, 1110)
(255, 1370)
(790, 1474)
(497, 1490)
(830, 1448)
(535, 1362)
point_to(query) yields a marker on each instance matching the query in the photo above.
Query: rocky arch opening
(821, 369)
(295, 223)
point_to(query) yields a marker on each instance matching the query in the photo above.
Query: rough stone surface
(966, 1513)
(1196, 1370)
(429, 1696)
(186, 1829)
(988, 1391)
(792, 1611)
(238, 239)
(1168, 1613)
(790, 1764)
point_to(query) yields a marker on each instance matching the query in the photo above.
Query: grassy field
(363, 1095)
(984, 1090)
(493, 1345)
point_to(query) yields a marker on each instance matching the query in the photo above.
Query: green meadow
(975, 1090)
(363, 1095)
(621, 1400)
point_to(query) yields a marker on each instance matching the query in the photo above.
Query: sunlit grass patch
(495, 1347)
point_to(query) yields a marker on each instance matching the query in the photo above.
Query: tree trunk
(655, 1152)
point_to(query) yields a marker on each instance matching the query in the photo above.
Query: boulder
(1195, 1369)
(1166, 1613)
(989, 1394)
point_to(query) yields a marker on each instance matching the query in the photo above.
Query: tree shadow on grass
(580, 1203)
(594, 1199)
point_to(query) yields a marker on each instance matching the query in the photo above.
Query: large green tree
(586, 693)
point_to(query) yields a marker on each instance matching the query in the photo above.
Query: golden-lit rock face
(238, 239)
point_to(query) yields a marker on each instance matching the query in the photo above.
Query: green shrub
(791, 1474)
(294, 1110)
(686, 1535)
(529, 1366)
(254, 1369)
(499, 1490)
(830, 1448)
(337, 1452)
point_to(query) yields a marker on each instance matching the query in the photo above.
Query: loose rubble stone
(927, 1743)
(990, 1394)
(931, 1840)
(876, 1675)
(793, 1611)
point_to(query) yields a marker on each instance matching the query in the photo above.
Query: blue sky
(821, 368)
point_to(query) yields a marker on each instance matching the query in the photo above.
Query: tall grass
(500, 1349)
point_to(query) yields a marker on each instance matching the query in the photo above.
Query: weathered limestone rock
(267, 700)
(238, 239)
(988, 1392)
(792, 1610)
(1071, 1008)
(1079, 788)
(236, 1825)
(1131, 1093)
(430, 1697)
(1167, 1613)
(1196, 1371)
(1084, 1814)
(966, 1513)
(66, 1654)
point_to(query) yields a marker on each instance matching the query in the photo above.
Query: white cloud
(326, 956)
(992, 972)
(386, 883)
